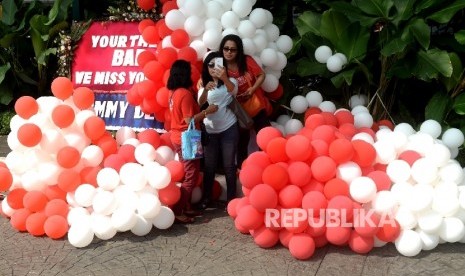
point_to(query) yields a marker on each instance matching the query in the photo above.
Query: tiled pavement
(211, 246)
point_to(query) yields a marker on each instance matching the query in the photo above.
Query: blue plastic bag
(191, 143)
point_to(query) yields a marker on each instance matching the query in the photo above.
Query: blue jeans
(226, 144)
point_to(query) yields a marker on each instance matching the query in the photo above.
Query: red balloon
(149, 136)
(312, 110)
(167, 56)
(170, 194)
(325, 133)
(57, 207)
(285, 236)
(145, 57)
(18, 219)
(323, 168)
(154, 71)
(389, 231)
(167, 6)
(320, 241)
(179, 38)
(276, 176)
(146, 5)
(276, 150)
(231, 208)
(68, 180)
(250, 175)
(165, 140)
(313, 186)
(314, 203)
(320, 148)
(108, 145)
(163, 95)
(263, 197)
(329, 118)
(26, 106)
(360, 244)
(163, 30)
(366, 223)
(176, 169)
(240, 228)
(338, 235)
(35, 224)
(382, 180)
(315, 120)
(300, 173)
(55, 192)
(68, 157)
(133, 97)
(6, 179)
(341, 150)
(62, 88)
(249, 218)
(317, 227)
(290, 196)
(265, 237)
(147, 88)
(29, 135)
(340, 208)
(265, 135)
(277, 94)
(94, 127)
(409, 156)
(344, 116)
(301, 246)
(83, 98)
(145, 23)
(15, 198)
(298, 148)
(336, 187)
(258, 158)
(35, 201)
(364, 153)
(386, 123)
(127, 152)
(56, 227)
(244, 201)
(348, 130)
(187, 53)
(114, 161)
(89, 175)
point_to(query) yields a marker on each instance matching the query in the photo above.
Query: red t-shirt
(247, 80)
(182, 105)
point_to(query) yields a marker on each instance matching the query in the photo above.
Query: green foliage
(5, 118)
(391, 46)
(28, 30)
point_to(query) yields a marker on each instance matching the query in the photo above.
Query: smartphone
(218, 63)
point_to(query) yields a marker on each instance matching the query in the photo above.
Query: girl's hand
(210, 85)
(211, 108)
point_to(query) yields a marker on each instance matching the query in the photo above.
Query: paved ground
(211, 246)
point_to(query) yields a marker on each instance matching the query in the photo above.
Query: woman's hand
(211, 108)
(220, 73)
(210, 85)
(247, 94)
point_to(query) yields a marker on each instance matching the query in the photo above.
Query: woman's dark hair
(240, 56)
(180, 75)
(206, 77)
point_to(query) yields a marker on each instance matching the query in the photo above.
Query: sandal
(193, 213)
(184, 219)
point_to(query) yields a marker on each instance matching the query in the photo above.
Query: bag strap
(191, 124)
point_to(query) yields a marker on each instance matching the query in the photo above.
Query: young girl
(221, 127)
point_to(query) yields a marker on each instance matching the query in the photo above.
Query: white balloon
(384, 202)
(424, 171)
(269, 57)
(249, 45)
(199, 48)
(342, 57)
(280, 63)
(363, 136)
(358, 99)
(282, 119)
(405, 128)
(194, 7)
(258, 17)
(214, 9)
(108, 179)
(406, 218)
(453, 138)
(123, 219)
(227, 4)
(164, 219)
(148, 206)
(80, 235)
(212, 39)
(293, 126)
(101, 225)
(363, 119)
(233, 31)
(32, 182)
(159, 177)
(78, 215)
(230, 19)
(84, 195)
(323, 53)
(174, 19)
(272, 32)
(126, 198)
(452, 230)
(422, 198)
(385, 150)
(362, 189)
(132, 175)
(48, 172)
(92, 156)
(431, 127)
(284, 44)
(271, 83)
(327, 106)
(164, 155)
(246, 29)
(260, 41)
(214, 24)
(438, 154)
(398, 171)
(104, 203)
(241, 7)
(348, 171)
(429, 241)
(409, 243)
(299, 104)
(76, 140)
(142, 226)
(314, 98)
(430, 222)
(6, 209)
(145, 153)
(334, 63)
(194, 25)
(402, 191)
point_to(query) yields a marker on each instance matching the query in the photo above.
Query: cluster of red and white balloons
(66, 174)
(189, 30)
(337, 161)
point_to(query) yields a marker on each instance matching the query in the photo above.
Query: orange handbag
(252, 105)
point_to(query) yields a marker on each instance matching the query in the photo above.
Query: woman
(221, 127)
(183, 108)
(249, 76)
